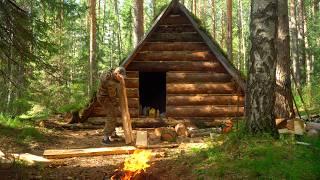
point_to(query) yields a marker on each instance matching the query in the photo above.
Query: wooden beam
(201, 88)
(132, 82)
(205, 99)
(124, 108)
(175, 19)
(175, 56)
(132, 92)
(181, 77)
(205, 111)
(156, 66)
(132, 74)
(68, 153)
(174, 46)
(175, 28)
(175, 37)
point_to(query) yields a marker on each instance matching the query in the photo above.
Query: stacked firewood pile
(313, 126)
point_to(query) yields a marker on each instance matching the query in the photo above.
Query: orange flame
(137, 161)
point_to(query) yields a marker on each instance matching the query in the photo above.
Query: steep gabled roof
(213, 46)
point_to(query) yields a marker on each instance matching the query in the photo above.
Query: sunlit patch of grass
(21, 130)
(242, 157)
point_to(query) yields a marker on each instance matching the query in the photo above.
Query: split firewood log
(312, 125)
(166, 134)
(181, 130)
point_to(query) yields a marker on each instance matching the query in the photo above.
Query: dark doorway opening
(152, 90)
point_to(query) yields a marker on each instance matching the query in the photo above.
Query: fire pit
(134, 167)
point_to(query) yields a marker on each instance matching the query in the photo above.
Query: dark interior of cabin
(152, 90)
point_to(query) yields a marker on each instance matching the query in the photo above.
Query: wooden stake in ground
(125, 112)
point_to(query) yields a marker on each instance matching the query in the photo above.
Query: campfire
(134, 167)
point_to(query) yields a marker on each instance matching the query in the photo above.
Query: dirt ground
(164, 164)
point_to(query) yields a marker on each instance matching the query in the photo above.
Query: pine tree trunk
(240, 37)
(284, 103)
(294, 42)
(194, 3)
(93, 47)
(223, 31)
(229, 30)
(301, 39)
(138, 20)
(262, 68)
(213, 14)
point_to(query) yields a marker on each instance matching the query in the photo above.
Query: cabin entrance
(152, 92)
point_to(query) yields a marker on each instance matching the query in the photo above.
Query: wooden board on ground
(68, 153)
(31, 159)
(158, 146)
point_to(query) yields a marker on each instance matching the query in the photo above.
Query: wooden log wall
(198, 86)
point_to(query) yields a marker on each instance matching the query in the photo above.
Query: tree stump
(181, 130)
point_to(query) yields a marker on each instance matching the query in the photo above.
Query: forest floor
(232, 156)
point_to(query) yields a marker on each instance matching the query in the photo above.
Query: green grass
(244, 157)
(21, 130)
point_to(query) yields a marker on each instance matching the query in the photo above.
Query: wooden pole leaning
(125, 112)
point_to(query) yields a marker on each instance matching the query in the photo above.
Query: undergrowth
(246, 157)
(20, 129)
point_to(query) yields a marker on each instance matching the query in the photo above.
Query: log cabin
(182, 73)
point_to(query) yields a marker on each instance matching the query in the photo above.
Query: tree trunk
(223, 32)
(241, 48)
(294, 42)
(93, 47)
(301, 42)
(194, 7)
(229, 30)
(213, 14)
(262, 68)
(138, 20)
(283, 104)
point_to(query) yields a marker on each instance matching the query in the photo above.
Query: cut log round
(201, 88)
(312, 125)
(205, 99)
(166, 134)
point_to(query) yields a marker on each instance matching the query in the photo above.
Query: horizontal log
(175, 19)
(178, 77)
(132, 103)
(132, 92)
(132, 74)
(175, 28)
(174, 46)
(68, 153)
(205, 99)
(152, 122)
(175, 56)
(132, 82)
(205, 111)
(201, 88)
(154, 66)
(100, 112)
(175, 37)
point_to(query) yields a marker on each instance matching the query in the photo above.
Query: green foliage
(259, 157)
(22, 129)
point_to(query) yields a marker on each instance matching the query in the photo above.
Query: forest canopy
(45, 46)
